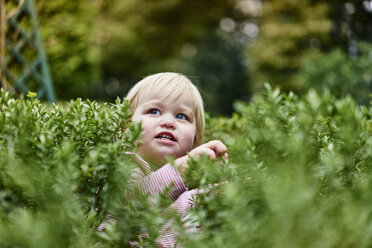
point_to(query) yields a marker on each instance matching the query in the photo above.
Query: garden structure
(23, 64)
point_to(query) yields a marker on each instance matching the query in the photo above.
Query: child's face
(168, 127)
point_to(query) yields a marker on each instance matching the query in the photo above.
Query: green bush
(62, 169)
(303, 175)
(340, 73)
(298, 175)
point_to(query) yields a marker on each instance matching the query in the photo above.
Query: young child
(171, 112)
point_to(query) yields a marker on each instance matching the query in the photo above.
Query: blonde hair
(173, 85)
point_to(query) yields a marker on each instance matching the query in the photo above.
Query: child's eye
(181, 117)
(154, 112)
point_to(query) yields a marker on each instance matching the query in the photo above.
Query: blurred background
(98, 49)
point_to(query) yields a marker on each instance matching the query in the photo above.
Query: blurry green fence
(23, 64)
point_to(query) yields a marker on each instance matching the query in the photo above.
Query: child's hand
(213, 149)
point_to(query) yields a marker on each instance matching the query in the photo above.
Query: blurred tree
(99, 49)
(352, 22)
(290, 30)
(143, 37)
(69, 28)
(340, 73)
(219, 70)
(345, 66)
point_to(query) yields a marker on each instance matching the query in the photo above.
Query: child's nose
(167, 122)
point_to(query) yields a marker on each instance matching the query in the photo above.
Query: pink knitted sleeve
(159, 181)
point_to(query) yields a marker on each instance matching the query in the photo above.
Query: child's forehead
(166, 96)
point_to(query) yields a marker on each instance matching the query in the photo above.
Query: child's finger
(210, 153)
(203, 150)
(226, 157)
(218, 147)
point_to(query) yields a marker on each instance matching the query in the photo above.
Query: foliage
(99, 49)
(340, 73)
(298, 175)
(62, 169)
(145, 37)
(289, 31)
(69, 31)
(218, 69)
(351, 23)
(302, 175)
(147, 34)
(292, 31)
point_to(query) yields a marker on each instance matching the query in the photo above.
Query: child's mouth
(166, 136)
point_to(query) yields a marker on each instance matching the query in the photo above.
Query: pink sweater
(155, 183)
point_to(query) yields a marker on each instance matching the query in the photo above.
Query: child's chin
(164, 156)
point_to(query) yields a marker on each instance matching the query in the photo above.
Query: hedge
(299, 175)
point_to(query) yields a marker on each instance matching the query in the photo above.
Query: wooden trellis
(23, 64)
